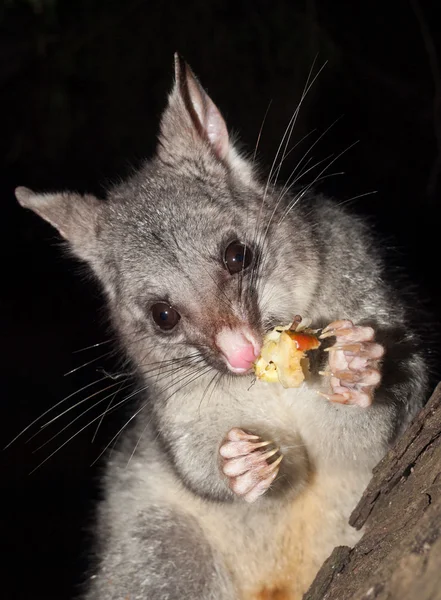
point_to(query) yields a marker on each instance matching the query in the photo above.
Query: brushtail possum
(223, 487)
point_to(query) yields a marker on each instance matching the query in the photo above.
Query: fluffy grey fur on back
(169, 526)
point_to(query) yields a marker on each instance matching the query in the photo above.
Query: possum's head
(194, 254)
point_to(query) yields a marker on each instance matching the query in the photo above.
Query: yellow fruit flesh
(283, 359)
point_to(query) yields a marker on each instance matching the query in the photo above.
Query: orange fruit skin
(304, 341)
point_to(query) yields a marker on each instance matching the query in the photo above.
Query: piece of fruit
(283, 357)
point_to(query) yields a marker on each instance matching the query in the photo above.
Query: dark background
(83, 85)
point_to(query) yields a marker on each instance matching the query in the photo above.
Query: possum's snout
(239, 348)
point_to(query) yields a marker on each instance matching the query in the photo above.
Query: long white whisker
(260, 131)
(51, 409)
(92, 346)
(106, 412)
(308, 187)
(306, 88)
(120, 403)
(288, 185)
(79, 417)
(88, 363)
(76, 405)
(287, 133)
(142, 408)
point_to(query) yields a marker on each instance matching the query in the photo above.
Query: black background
(83, 85)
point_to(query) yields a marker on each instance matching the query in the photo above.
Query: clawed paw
(250, 464)
(353, 363)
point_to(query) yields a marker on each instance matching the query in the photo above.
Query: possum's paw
(353, 363)
(250, 464)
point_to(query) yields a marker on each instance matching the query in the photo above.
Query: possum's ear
(74, 216)
(191, 117)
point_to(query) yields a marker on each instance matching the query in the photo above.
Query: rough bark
(399, 555)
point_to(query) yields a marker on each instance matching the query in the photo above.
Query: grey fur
(160, 236)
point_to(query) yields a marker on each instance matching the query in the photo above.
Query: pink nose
(239, 348)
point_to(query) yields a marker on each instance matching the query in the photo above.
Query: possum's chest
(275, 553)
(274, 547)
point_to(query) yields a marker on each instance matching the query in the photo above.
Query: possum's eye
(165, 316)
(237, 257)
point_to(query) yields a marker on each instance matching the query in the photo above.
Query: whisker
(292, 150)
(51, 409)
(205, 391)
(308, 187)
(79, 417)
(241, 274)
(288, 185)
(108, 407)
(97, 393)
(306, 89)
(286, 136)
(88, 363)
(138, 412)
(76, 405)
(321, 136)
(73, 436)
(288, 131)
(93, 346)
(260, 131)
(85, 387)
(357, 197)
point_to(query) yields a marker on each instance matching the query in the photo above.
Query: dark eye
(165, 316)
(237, 257)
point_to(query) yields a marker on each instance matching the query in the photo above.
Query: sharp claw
(358, 398)
(353, 363)
(234, 449)
(275, 465)
(346, 328)
(261, 444)
(336, 332)
(371, 350)
(246, 465)
(241, 464)
(341, 323)
(365, 377)
(350, 376)
(339, 398)
(254, 481)
(268, 454)
(237, 434)
(326, 334)
(355, 348)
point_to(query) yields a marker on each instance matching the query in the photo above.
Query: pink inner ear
(212, 122)
(216, 130)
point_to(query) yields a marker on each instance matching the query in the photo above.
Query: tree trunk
(399, 556)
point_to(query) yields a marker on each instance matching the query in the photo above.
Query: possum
(224, 487)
